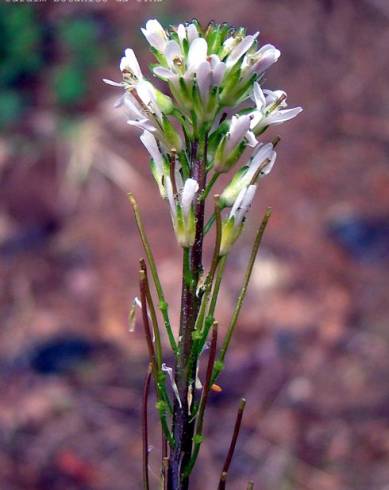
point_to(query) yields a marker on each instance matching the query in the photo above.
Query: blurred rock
(61, 355)
(364, 239)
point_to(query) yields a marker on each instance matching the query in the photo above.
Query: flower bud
(155, 34)
(181, 210)
(260, 165)
(233, 143)
(233, 225)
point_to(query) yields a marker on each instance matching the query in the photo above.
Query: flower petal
(203, 78)
(238, 129)
(130, 63)
(170, 196)
(245, 204)
(188, 194)
(151, 145)
(197, 52)
(264, 152)
(218, 73)
(172, 52)
(237, 202)
(181, 31)
(251, 139)
(192, 32)
(163, 73)
(259, 97)
(267, 167)
(284, 115)
(155, 34)
(268, 55)
(240, 50)
(111, 82)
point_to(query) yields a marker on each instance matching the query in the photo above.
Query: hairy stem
(183, 427)
(203, 402)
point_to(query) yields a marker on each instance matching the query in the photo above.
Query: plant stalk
(183, 426)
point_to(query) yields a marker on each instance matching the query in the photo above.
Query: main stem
(183, 428)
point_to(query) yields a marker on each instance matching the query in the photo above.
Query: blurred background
(311, 354)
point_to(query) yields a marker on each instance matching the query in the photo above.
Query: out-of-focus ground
(311, 353)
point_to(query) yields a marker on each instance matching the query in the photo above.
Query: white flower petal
(111, 82)
(259, 97)
(188, 194)
(170, 196)
(283, 115)
(218, 73)
(151, 145)
(251, 139)
(132, 107)
(273, 95)
(264, 152)
(172, 52)
(267, 168)
(237, 202)
(181, 31)
(203, 78)
(245, 204)
(146, 93)
(163, 73)
(155, 34)
(197, 52)
(192, 32)
(130, 63)
(238, 129)
(247, 200)
(268, 57)
(143, 124)
(240, 50)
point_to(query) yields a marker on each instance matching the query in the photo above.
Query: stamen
(276, 104)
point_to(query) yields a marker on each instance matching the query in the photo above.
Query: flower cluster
(215, 111)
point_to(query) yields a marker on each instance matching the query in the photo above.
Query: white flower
(239, 129)
(260, 165)
(142, 107)
(209, 74)
(144, 113)
(263, 160)
(233, 225)
(239, 50)
(129, 64)
(233, 143)
(181, 209)
(270, 108)
(155, 34)
(188, 32)
(130, 69)
(259, 61)
(242, 205)
(188, 195)
(197, 53)
(178, 66)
